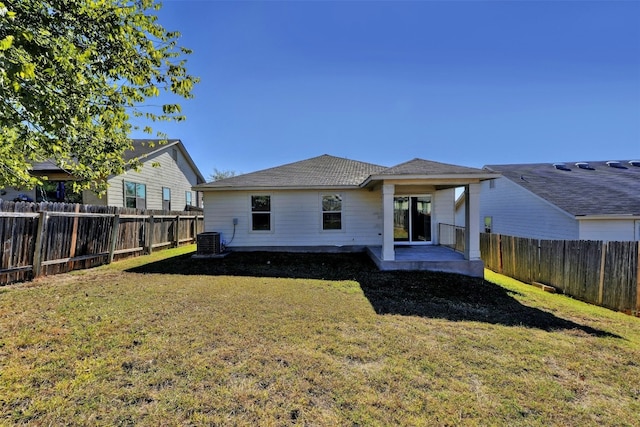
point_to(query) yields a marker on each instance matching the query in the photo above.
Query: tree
(73, 75)
(218, 174)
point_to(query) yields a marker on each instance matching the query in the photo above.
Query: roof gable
(142, 149)
(599, 190)
(427, 167)
(321, 171)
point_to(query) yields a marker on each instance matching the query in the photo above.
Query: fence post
(37, 251)
(114, 236)
(74, 236)
(150, 234)
(500, 254)
(176, 232)
(603, 259)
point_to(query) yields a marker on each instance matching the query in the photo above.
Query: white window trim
(124, 193)
(322, 211)
(271, 221)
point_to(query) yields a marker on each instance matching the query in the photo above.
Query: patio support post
(472, 222)
(388, 253)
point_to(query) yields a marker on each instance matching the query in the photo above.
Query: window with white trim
(166, 198)
(261, 213)
(187, 198)
(135, 195)
(332, 212)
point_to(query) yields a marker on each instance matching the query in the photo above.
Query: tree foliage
(218, 174)
(73, 76)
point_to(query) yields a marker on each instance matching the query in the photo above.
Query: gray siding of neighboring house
(518, 212)
(296, 218)
(176, 175)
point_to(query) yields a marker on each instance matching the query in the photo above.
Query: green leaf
(6, 42)
(74, 73)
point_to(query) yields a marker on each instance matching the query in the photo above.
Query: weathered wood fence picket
(49, 238)
(602, 273)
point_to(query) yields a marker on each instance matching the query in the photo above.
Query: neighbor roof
(328, 171)
(142, 148)
(599, 190)
(321, 171)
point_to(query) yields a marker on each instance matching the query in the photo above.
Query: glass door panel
(421, 219)
(401, 219)
(412, 219)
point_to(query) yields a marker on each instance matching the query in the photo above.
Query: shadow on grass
(426, 294)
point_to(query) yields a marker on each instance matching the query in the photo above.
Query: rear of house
(329, 203)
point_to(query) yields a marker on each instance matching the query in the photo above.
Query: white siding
(518, 212)
(460, 214)
(295, 218)
(443, 211)
(608, 229)
(176, 175)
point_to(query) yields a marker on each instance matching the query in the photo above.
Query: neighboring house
(329, 203)
(596, 200)
(163, 182)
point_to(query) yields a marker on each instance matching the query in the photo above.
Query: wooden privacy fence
(602, 273)
(49, 238)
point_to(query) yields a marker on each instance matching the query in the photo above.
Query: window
(135, 195)
(492, 183)
(174, 154)
(332, 212)
(57, 191)
(488, 224)
(261, 213)
(187, 198)
(166, 199)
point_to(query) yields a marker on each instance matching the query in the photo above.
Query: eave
(444, 179)
(204, 188)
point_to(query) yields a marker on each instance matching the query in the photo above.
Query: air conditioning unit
(209, 243)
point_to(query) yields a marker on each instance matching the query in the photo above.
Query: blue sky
(469, 83)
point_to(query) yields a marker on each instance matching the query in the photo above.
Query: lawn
(279, 340)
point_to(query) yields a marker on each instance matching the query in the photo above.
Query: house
(596, 200)
(329, 203)
(164, 181)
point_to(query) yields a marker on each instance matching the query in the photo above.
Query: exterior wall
(296, 218)
(518, 212)
(608, 229)
(91, 198)
(443, 211)
(176, 175)
(460, 215)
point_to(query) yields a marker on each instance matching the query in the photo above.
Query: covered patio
(425, 190)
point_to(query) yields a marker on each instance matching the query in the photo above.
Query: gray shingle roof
(330, 171)
(604, 190)
(428, 167)
(141, 149)
(144, 147)
(321, 171)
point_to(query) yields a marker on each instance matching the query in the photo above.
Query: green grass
(276, 339)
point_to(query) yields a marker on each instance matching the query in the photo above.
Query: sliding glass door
(412, 219)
